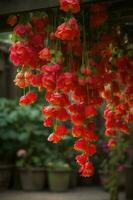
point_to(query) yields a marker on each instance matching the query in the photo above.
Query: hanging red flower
(45, 54)
(28, 98)
(68, 30)
(70, 5)
(87, 170)
(22, 54)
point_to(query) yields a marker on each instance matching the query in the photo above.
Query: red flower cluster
(22, 54)
(23, 79)
(78, 72)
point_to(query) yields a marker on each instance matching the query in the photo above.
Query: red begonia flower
(70, 5)
(87, 170)
(27, 99)
(112, 143)
(48, 122)
(45, 54)
(68, 30)
(54, 138)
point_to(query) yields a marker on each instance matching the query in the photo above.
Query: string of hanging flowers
(79, 64)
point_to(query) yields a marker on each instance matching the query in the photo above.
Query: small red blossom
(92, 149)
(62, 114)
(68, 30)
(66, 81)
(77, 119)
(76, 108)
(87, 170)
(36, 80)
(21, 29)
(59, 99)
(49, 82)
(82, 159)
(22, 80)
(27, 99)
(48, 122)
(112, 143)
(77, 131)
(54, 138)
(49, 111)
(61, 130)
(91, 136)
(81, 145)
(70, 5)
(45, 54)
(46, 69)
(90, 111)
(110, 132)
(12, 20)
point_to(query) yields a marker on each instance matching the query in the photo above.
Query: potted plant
(58, 166)
(8, 138)
(58, 175)
(31, 169)
(32, 149)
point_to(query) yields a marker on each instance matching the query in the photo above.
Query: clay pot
(32, 179)
(58, 180)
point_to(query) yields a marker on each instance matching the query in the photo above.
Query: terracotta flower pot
(58, 180)
(32, 179)
(5, 176)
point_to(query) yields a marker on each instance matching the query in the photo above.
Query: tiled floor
(81, 193)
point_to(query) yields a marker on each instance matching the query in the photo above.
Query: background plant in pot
(59, 166)
(58, 175)
(32, 147)
(31, 169)
(8, 141)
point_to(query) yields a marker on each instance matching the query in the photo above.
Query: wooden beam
(8, 7)
(16, 6)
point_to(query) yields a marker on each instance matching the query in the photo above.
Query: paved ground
(82, 193)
